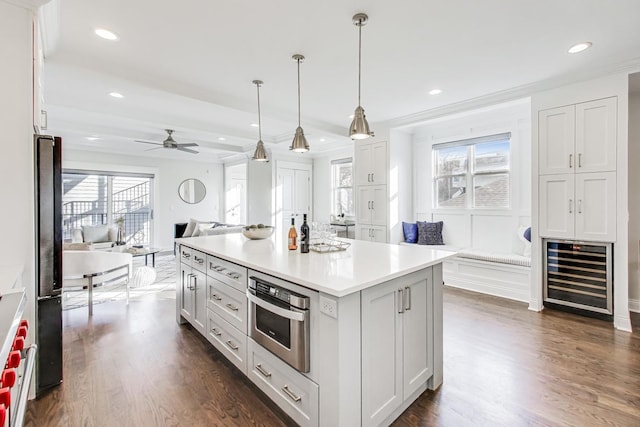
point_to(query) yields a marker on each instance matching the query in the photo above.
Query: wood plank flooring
(504, 366)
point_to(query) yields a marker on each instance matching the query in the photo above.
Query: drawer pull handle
(186, 255)
(216, 297)
(231, 345)
(233, 275)
(198, 260)
(216, 332)
(290, 394)
(260, 369)
(232, 307)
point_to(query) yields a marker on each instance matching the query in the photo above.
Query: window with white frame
(473, 173)
(342, 187)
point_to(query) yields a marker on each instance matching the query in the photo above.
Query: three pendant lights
(359, 128)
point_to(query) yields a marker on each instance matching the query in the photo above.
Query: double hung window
(342, 187)
(473, 173)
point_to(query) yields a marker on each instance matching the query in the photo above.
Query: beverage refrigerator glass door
(279, 321)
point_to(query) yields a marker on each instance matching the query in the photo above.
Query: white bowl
(258, 233)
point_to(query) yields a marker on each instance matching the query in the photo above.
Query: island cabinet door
(417, 335)
(381, 352)
(186, 293)
(199, 311)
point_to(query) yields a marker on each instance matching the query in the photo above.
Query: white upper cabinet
(557, 140)
(596, 135)
(578, 138)
(371, 163)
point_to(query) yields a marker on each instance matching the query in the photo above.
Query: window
(342, 187)
(94, 198)
(472, 173)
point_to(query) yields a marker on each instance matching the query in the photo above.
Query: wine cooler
(579, 275)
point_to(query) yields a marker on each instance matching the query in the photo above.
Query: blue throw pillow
(527, 234)
(410, 230)
(430, 233)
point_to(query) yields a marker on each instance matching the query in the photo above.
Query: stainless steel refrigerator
(48, 191)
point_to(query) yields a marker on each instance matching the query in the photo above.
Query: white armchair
(91, 269)
(100, 236)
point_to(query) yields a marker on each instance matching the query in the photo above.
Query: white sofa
(100, 236)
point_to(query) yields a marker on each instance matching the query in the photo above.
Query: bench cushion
(513, 259)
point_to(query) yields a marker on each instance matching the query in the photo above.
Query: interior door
(293, 194)
(235, 199)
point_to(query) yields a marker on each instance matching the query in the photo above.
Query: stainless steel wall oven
(279, 321)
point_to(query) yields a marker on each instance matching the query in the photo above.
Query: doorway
(293, 193)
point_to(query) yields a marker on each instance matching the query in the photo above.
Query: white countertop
(362, 265)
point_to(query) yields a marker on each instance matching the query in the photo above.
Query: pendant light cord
(298, 60)
(359, 57)
(259, 120)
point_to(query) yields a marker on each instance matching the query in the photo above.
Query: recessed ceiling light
(322, 140)
(435, 92)
(254, 125)
(222, 139)
(577, 48)
(92, 138)
(116, 95)
(106, 34)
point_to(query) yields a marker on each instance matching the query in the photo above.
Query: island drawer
(199, 260)
(228, 340)
(227, 302)
(186, 254)
(294, 393)
(227, 272)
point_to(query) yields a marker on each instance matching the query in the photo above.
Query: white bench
(500, 274)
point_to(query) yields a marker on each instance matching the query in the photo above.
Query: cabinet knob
(8, 378)
(5, 397)
(13, 361)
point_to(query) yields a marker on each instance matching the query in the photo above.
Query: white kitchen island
(375, 320)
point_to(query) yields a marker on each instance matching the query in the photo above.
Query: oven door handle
(291, 315)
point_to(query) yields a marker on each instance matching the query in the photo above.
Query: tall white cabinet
(372, 196)
(577, 164)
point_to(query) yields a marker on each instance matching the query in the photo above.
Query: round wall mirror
(192, 191)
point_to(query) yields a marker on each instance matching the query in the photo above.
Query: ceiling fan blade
(188, 144)
(147, 142)
(155, 148)
(187, 150)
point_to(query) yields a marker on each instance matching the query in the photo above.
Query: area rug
(145, 280)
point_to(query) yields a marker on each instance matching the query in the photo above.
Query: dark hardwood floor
(504, 366)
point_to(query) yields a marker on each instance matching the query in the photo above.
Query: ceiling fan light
(260, 155)
(359, 128)
(299, 143)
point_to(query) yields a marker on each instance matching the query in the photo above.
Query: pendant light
(359, 128)
(299, 143)
(260, 154)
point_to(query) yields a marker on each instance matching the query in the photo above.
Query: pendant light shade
(359, 128)
(260, 155)
(299, 143)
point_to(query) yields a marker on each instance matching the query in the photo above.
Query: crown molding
(27, 4)
(523, 91)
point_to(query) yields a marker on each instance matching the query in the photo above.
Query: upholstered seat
(91, 269)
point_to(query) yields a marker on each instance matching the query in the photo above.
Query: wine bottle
(293, 236)
(304, 236)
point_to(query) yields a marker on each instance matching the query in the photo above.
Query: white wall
(614, 85)
(492, 230)
(169, 208)
(17, 162)
(399, 182)
(634, 194)
(322, 182)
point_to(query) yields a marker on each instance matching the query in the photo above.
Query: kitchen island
(373, 316)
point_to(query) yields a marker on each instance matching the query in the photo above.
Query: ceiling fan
(172, 144)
